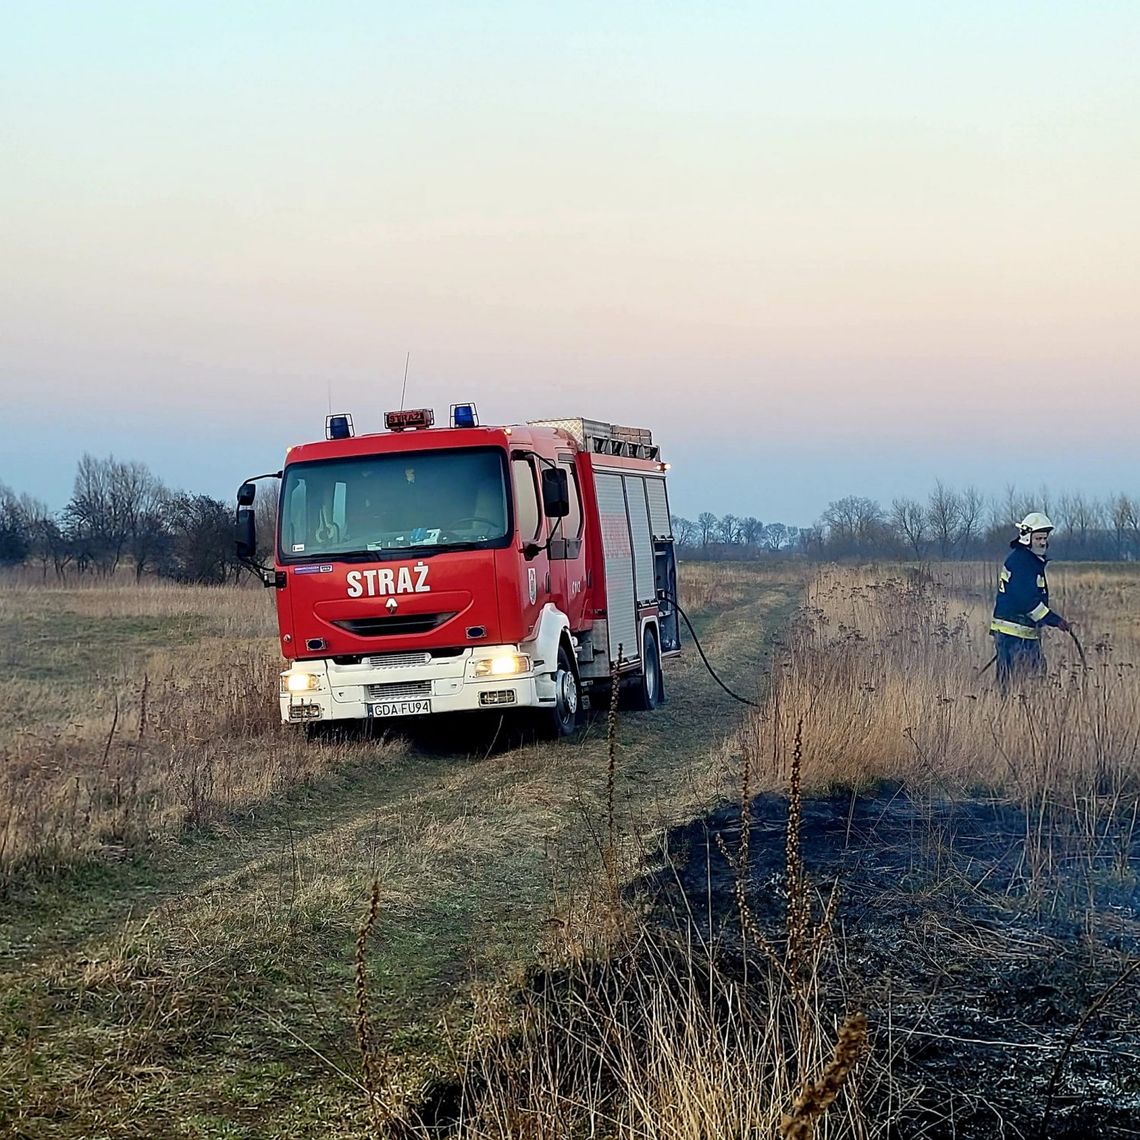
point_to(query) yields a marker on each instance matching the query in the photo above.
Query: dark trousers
(1019, 659)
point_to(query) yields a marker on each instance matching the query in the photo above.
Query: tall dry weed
(886, 672)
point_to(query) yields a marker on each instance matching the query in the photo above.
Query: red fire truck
(426, 570)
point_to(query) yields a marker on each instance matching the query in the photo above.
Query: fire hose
(1076, 642)
(665, 596)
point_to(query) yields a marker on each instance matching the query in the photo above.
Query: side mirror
(246, 493)
(245, 531)
(555, 492)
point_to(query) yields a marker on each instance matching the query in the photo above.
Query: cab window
(526, 499)
(295, 518)
(572, 524)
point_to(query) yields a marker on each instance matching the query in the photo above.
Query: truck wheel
(648, 688)
(563, 718)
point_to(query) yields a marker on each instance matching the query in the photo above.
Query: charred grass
(984, 848)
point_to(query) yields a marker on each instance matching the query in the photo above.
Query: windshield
(393, 502)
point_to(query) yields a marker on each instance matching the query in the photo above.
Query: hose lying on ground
(696, 641)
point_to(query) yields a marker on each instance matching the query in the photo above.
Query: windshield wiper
(443, 547)
(388, 553)
(395, 553)
(385, 554)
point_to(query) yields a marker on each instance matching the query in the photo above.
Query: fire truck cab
(427, 570)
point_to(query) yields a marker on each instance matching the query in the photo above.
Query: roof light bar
(409, 418)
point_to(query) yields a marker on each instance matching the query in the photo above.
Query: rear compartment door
(641, 534)
(618, 561)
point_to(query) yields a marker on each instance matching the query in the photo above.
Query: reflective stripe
(1039, 611)
(998, 625)
(1041, 581)
(1005, 575)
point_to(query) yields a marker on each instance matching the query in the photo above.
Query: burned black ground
(994, 953)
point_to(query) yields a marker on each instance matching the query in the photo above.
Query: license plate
(400, 708)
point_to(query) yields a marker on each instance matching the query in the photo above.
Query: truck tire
(648, 689)
(562, 720)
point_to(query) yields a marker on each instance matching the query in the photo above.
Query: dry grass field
(882, 902)
(183, 884)
(135, 710)
(886, 672)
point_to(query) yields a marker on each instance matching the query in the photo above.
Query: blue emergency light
(339, 426)
(464, 416)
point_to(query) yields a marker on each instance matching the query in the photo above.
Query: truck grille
(389, 626)
(400, 691)
(396, 660)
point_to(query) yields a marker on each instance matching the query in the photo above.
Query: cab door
(534, 573)
(568, 550)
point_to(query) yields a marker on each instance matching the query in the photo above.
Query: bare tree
(997, 525)
(15, 536)
(1125, 516)
(1077, 521)
(706, 524)
(944, 517)
(811, 541)
(684, 530)
(751, 531)
(201, 540)
(855, 525)
(45, 537)
(1015, 506)
(777, 536)
(109, 501)
(728, 530)
(908, 517)
(971, 506)
(150, 537)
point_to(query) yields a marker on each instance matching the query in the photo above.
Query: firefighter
(1022, 605)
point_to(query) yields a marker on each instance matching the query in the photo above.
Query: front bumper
(438, 685)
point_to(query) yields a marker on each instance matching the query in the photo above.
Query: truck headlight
(505, 665)
(299, 682)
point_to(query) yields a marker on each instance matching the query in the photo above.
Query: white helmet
(1035, 520)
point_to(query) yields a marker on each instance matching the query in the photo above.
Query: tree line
(120, 514)
(715, 537)
(948, 523)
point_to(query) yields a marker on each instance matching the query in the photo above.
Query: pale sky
(820, 249)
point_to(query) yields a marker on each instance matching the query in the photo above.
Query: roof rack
(606, 439)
